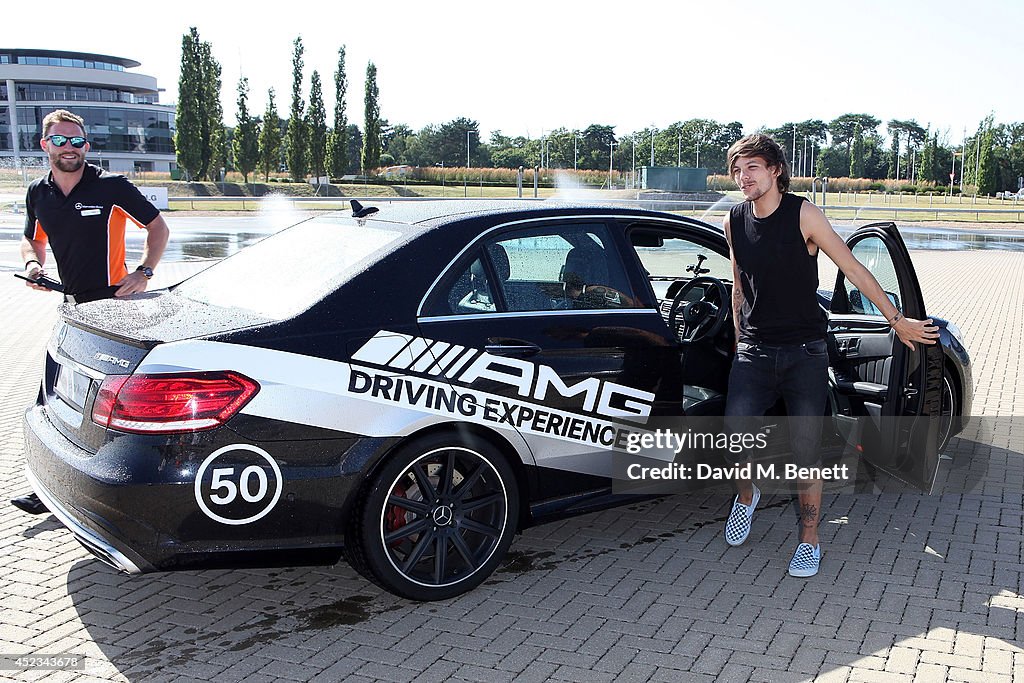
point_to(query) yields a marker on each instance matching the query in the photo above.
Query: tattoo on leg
(808, 515)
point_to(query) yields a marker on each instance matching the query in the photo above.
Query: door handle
(848, 345)
(518, 350)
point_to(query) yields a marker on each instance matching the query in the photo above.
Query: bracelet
(895, 319)
(32, 260)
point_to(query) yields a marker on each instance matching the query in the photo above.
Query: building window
(110, 129)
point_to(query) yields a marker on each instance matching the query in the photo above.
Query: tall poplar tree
(895, 127)
(297, 135)
(270, 138)
(316, 126)
(371, 122)
(187, 118)
(246, 142)
(987, 167)
(337, 157)
(214, 150)
(927, 172)
(857, 152)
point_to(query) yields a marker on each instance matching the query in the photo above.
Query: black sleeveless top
(779, 279)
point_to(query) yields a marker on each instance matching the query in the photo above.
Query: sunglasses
(76, 141)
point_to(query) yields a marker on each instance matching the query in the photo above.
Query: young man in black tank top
(774, 239)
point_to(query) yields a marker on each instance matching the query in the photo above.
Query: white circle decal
(238, 489)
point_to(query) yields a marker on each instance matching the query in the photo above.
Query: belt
(90, 295)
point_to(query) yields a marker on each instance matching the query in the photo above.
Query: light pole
(611, 161)
(679, 151)
(793, 159)
(653, 129)
(465, 176)
(442, 176)
(633, 172)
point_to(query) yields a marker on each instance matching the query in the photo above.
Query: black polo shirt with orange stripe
(86, 229)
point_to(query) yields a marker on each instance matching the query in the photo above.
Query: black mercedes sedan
(409, 388)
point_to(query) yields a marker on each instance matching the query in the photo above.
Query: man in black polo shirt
(83, 213)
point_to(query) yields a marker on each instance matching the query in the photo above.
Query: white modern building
(128, 129)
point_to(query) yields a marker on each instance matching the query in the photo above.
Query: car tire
(949, 413)
(436, 519)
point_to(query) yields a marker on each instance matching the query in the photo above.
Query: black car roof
(429, 214)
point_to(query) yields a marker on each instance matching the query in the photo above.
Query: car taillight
(176, 402)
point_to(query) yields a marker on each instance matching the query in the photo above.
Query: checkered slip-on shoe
(805, 560)
(737, 527)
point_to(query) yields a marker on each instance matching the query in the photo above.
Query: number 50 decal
(238, 490)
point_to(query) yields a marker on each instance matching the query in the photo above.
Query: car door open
(888, 397)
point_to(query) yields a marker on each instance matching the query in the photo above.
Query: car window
(875, 256)
(469, 292)
(669, 258)
(562, 267)
(288, 272)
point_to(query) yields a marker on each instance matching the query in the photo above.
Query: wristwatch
(146, 270)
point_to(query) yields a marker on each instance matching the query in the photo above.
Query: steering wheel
(693, 321)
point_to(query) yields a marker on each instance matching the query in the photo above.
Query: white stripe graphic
(446, 359)
(427, 360)
(382, 348)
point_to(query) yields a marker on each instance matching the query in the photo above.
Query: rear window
(286, 273)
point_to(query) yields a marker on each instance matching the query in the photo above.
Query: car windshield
(288, 272)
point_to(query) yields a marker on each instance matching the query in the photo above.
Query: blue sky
(527, 67)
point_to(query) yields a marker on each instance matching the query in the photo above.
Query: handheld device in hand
(44, 281)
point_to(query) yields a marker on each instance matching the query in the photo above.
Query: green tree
(316, 127)
(370, 158)
(355, 141)
(214, 148)
(857, 153)
(188, 142)
(844, 128)
(246, 138)
(925, 166)
(297, 134)
(270, 138)
(337, 156)
(395, 141)
(894, 127)
(987, 166)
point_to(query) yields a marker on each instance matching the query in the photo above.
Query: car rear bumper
(93, 541)
(133, 505)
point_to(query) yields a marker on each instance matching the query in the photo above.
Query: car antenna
(360, 211)
(695, 268)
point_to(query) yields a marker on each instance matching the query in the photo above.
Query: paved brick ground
(911, 588)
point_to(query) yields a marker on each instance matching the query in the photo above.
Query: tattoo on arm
(808, 515)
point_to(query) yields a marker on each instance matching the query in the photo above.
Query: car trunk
(111, 337)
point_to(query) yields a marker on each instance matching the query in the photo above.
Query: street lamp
(611, 161)
(633, 172)
(653, 130)
(442, 176)
(465, 176)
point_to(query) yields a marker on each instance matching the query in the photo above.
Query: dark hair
(761, 145)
